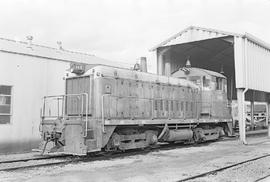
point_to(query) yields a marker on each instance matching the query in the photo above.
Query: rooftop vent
(143, 64)
(29, 40)
(222, 70)
(59, 43)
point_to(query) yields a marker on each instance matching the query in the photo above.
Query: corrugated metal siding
(251, 55)
(252, 65)
(258, 67)
(193, 34)
(239, 62)
(19, 47)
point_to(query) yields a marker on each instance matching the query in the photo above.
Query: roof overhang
(194, 33)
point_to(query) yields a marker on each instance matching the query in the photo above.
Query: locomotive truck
(109, 108)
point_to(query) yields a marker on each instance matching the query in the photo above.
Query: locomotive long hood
(107, 71)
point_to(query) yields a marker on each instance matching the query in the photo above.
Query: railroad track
(262, 178)
(10, 165)
(34, 158)
(215, 171)
(43, 161)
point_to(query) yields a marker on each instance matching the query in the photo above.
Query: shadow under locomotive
(109, 108)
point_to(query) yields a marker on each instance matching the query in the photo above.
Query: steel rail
(262, 178)
(33, 158)
(222, 169)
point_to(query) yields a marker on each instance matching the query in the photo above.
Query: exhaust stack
(143, 64)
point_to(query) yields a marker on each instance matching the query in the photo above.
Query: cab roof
(196, 72)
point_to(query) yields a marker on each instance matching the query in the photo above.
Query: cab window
(224, 85)
(218, 83)
(195, 79)
(221, 84)
(206, 82)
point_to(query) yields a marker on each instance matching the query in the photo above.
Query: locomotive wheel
(113, 143)
(151, 137)
(131, 139)
(198, 135)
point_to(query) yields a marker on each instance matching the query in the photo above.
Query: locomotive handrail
(86, 114)
(64, 98)
(102, 112)
(43, 115)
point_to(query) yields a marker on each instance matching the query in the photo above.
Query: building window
(5, 104)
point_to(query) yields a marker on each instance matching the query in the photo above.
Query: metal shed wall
(252, 64)
(192, 34)
(251, 55)
(239, 58)
(258, 67)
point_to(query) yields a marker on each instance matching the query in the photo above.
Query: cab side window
(206, 82)
(218, 83)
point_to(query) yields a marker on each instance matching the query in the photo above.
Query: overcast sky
(123, 30)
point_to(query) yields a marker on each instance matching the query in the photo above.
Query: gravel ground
(163, 166)
(247, 172)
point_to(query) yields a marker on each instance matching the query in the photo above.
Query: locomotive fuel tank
(178, 135)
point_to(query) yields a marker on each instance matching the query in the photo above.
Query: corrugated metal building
(243, 58)
(27, 73)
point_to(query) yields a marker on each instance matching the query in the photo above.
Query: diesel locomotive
(109, 108)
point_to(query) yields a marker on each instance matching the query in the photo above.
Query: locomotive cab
(213, 91)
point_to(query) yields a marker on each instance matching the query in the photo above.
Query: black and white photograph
(134, 90)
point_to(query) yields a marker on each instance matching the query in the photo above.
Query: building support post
(241, 114)
(160, 63)
(252, 111)
(267, 118)
(167, 71)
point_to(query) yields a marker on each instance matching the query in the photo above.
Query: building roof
(41, 51)
(205, 33)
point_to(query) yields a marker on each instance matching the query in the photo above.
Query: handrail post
(86, 113)
(102, 112)
(63, 107)
(44, 106)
